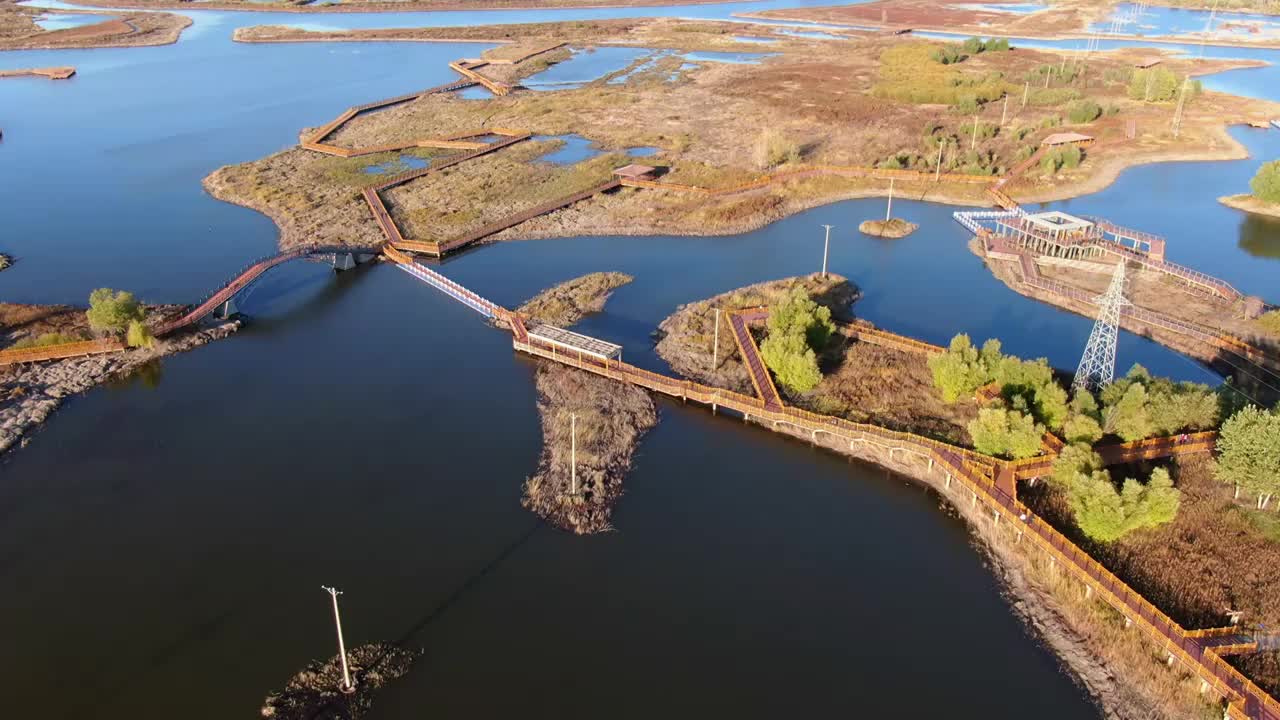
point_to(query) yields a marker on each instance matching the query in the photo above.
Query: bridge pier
(227, 309)
(349, 260)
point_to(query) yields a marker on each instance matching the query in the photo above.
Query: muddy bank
(894, 228)
(570, 301)
(31, 392)
(138, 29)
(1122, 671)
(687, 338)
(313, 693)
(612, 417)
(1249, 203)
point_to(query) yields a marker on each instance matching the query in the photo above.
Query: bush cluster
(798, 327)
(1160, 84)
(1266, 184)
(1104, 513)
(1084, 111)
(116, 312)
(1068, 157)
(1139, 406)
(1249, 452)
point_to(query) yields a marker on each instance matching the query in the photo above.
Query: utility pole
(715, 345)
(573, 454)
(1026, 93)
(937, 173)
(1182, 101)
(347, 686)
(1004, 114)
(974, 142)
(826, 245)
(889, 210)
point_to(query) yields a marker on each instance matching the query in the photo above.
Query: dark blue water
(164, 539)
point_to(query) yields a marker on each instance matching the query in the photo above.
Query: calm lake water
(163, 540)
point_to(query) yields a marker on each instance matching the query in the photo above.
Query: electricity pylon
(1098, 364)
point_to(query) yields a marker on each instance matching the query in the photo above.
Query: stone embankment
(30, 393)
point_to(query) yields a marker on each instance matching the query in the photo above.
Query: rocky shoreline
(611, 419)
(32, 392)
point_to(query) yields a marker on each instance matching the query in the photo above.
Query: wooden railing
(59, 351)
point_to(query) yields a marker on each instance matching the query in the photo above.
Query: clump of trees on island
(1031, 401)
(116, 312)
(1159, 84)
(1266, 184)
(799, 328)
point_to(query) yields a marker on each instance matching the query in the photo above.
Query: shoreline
(40, 388)
(960, 33)
(159, 29)
(1246, 202)
(1044, 610)
(389, 7)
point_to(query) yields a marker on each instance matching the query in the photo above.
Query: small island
(891, 228)
(590, 425)
(1265, 198)
(315, 689)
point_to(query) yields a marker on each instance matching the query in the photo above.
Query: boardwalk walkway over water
(967, 477)
(963, 474)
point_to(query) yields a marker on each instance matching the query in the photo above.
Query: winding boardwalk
(967, 476)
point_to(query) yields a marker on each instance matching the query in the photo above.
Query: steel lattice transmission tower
(1098, 364)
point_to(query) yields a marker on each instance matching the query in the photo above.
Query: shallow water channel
(163, 541)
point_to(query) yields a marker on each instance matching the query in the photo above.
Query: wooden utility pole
(826, 245)
(937, 173)
(715, 344)
(347, 686)
(573, 454)
(1004, 114)
(974, 142)
(889, 210)
(1182, 101)
(1026, 93)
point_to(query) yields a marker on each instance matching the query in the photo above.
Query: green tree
(1106, 515)
(792, 361)
(1266, 184)
(1084, 111)
(1156, 84)
(959, 371)
(997, 431)
(1075, 460)
(1081, 429)
(974, 45)
(1249, 452)
(1129, 417)
(111, 311)
(797, 327)
(138, 335)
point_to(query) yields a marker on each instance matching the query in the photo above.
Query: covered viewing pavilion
(574, 343)
(1053, 233)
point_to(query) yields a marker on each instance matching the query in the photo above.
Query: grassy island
(942, 121)
(891, 228)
